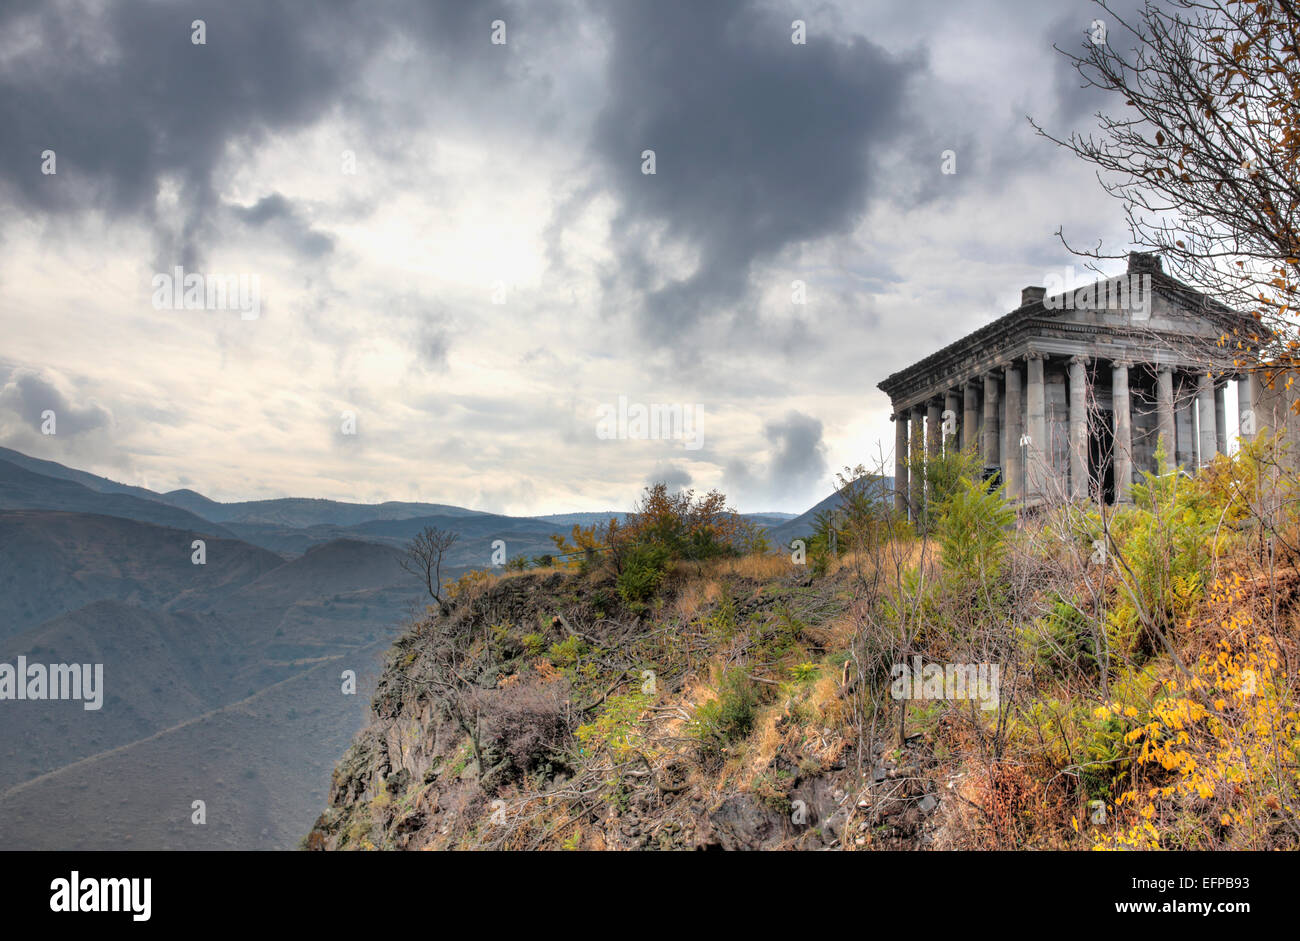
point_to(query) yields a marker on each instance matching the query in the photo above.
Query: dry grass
(549, 570)
(908, 554)
(825, 701)
(836, 633)
(759, 566)
(695, 595)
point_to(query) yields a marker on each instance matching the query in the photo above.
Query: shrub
(1216, 752)
(973, 525)
(721, 721)
(642, 572)
(1166, 540)
(1070, 636)
(467, 583)
(720, 624)
(945, 475)
(523, 725)
(683, 526)
(863, 518)
(804, 672)
(568, 651)
(616, 728)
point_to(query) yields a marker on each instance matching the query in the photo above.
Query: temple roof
(1001, 339)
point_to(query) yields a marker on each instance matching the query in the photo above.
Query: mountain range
(226, 671)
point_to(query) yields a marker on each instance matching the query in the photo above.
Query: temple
(1067, 396)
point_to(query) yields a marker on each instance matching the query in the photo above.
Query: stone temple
(1067, 396)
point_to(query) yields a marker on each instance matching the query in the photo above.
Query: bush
(617, 727)
(684, 526)
(973, 525)
(804, 672)
(730, 716)
(1072, 643)
(568, 651)
(864, 518)
(1166, 539)
(523, 726)
(945, 475)
(642, 572)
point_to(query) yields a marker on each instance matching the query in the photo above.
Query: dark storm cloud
(672, 476)
(797, 461)
(759, 143)
(126, 101)
(1071, 32)
(26, 395)
(278, 214)
(798, 454)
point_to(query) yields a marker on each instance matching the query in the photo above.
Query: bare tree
(424, 556)
(1202, 150)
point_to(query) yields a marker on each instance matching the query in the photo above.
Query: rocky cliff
(543, 712)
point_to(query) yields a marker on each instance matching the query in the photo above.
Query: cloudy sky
(454, 239)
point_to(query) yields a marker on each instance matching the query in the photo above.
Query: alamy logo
(1131, 292)
(194, 291)
(955, 681)
(653, 422)
(84, 681)
(75, 894)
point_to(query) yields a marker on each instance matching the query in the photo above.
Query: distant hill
(301, 512)
(335, 568)
(294, 512)
(581, 519)
(55, 562)
(23, 489)
(802, 525)
(768, 519)
(60, 472)
(159, 669)
(477, 531)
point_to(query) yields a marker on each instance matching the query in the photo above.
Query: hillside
(178, 642)
(803, 525)
(986, 682)
(55, 562)
(159, 669)
(22, 489)
(57, 471)
(260, 764)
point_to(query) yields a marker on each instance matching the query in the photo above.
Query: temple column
(933, 439)
(1122, 460)
(900, 463)
(1036, 453)
(951, 408)
(1247, 406)
(970, 414)
(1209, 435)
(1221, 419)
(933, 449)
(1012, 463)
(916, 463)
(1165, 419)
(992, 427)
(1079, 427)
